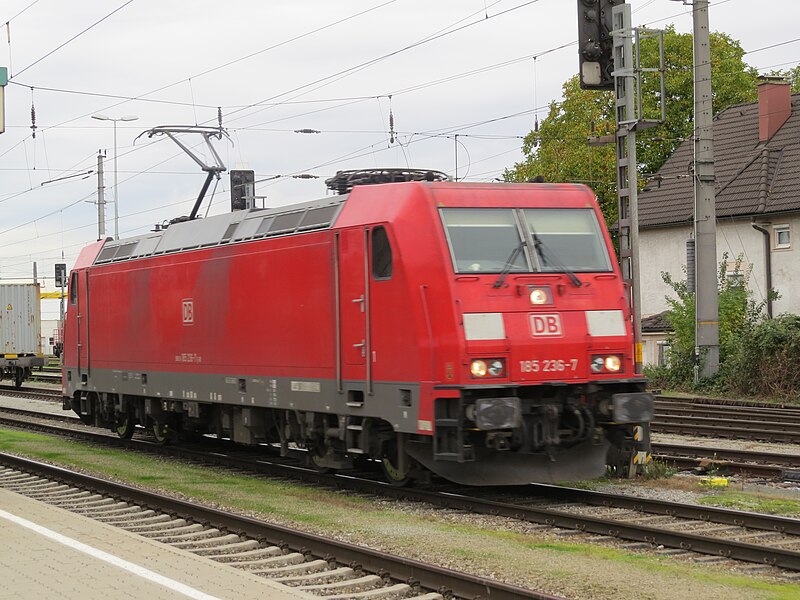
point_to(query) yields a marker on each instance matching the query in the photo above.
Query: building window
(663, 354)
(735, 278)
(782, 234)
(735, 271)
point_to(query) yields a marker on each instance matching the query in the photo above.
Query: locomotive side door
(353, 306)
(79, 304)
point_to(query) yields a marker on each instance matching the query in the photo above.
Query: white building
(50, 334)
(757, 165)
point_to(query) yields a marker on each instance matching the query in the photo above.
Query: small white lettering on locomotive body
(305, 386)
(188, 357)
(549, 365)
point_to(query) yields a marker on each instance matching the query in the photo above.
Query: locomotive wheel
(392, 471)
(125, 426)
(160, 432)
(318, 460)
(18, 378)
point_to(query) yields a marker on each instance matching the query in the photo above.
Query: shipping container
(20, 336)
(20, 317)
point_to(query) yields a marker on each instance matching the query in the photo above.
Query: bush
(764, 361)
(739, 315)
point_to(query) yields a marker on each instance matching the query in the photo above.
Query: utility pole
(3, 84)
(101, 199)
(608, 62)
(705, 215)
(627, 177)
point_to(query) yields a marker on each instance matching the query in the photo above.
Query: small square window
(735, 271)
(734, 278)
(782, 236)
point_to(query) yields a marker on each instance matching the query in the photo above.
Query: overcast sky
(450, 66)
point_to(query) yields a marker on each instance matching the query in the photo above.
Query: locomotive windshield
(483, 240)
(570, 238)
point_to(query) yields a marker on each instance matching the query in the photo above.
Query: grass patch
(652, 471)
(657, 469)
(754, 502)
(211, 485)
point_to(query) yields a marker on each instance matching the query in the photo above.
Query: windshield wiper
(509, 264)
(541, 248)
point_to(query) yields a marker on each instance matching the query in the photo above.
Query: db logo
(544, 325)
(188, 311)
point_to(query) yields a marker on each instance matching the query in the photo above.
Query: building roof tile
(752, 177)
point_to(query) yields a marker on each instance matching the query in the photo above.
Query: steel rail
(729, 422)
(400, 568)
(717, 428)
(50, 394)
(728, 454)
(698, 400)
(771, 472)
(787, 559)
(750, 461)
(37, 415)
(729, 412)
(729, 405)
(678, 510)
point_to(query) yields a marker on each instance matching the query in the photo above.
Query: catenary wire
(74, 37)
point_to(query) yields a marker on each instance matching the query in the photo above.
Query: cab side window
(73, 288)
(381, 254)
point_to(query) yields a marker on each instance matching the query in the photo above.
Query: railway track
(704, 401)
(738, 535)
(51, 394)
(309, 562)
(731, 421)
(748, 463)
(768, 465)
(47, 375)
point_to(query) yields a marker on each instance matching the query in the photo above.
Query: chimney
(774, 106)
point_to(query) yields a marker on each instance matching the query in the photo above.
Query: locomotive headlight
(613, 363)
(610, 363)
(540, 295)
(487, 367)
(496, 368)
(478, 368)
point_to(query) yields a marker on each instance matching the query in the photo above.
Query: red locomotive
(477, 331)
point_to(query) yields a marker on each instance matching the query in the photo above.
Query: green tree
(559, 151)
(791, 75)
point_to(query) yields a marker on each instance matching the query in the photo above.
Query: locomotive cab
(547, 389)
(520, 333)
